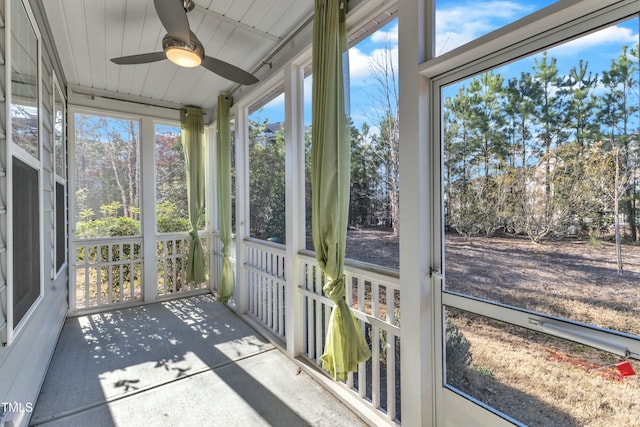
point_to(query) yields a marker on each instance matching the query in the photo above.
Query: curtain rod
(141, 102)
(277, 50)
(384, 17)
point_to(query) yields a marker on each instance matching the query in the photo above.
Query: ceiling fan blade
(228, 71)
(174, 19)
(143, 58)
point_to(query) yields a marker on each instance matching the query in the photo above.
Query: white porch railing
(108, 271)
(374, 294)
(171, 257)
(264, 265)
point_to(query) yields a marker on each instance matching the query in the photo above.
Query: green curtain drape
(345, 345)
(223, 170)
(191, 123)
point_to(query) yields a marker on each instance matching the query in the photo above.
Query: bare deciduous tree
(384, 103)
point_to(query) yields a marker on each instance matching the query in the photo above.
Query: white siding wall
(24, 362)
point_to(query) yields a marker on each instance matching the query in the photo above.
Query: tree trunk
(616, 202)
(132, 165)
(631, 215)
(123, 194)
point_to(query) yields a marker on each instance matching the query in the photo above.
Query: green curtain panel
(345, 345)
(191, 123)
(223, 168)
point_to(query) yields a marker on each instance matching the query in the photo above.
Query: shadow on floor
(184, 362)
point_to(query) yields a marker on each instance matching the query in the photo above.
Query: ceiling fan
(182, 47)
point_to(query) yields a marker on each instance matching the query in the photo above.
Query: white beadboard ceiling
(88, 33)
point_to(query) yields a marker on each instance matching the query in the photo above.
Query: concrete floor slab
(188, 362)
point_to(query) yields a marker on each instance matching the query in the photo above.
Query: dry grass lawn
(537, 379)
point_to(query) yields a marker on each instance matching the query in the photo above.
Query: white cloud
(361, 64)
(616, 35)
(465, 22)
(358, 64)
(360, 61)
(390, 36)
(462, 23)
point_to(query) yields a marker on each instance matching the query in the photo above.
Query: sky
(458, 22)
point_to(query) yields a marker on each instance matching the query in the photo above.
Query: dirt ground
(374, 245)
(566, 278)
(537, 379)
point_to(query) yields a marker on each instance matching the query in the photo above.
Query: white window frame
(13, 150)
(71, 149)
(548, 27)
(59, 177)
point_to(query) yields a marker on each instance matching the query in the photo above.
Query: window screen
(60, 226)
(26, 239)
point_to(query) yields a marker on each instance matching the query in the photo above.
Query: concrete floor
(187, 362)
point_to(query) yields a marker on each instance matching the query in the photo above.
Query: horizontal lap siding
(23, 364)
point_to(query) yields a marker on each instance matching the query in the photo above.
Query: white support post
(147, 160)
(242, 206)
(294, 201)
(417, 295)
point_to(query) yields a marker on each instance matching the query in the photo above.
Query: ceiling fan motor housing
(188, 5)
(169, 45)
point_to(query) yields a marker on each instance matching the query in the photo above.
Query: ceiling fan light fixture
(183, 57)
(182, 54)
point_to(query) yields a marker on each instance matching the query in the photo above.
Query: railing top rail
(273, 247)
(158, 236)
(387, 276)
(108, 239)
(173, 235)
(376, 273)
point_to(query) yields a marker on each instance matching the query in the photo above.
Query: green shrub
(458, 355)
(594, 238)
(108, 227)
(169, 224)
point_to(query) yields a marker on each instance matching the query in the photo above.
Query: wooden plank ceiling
(88, 33)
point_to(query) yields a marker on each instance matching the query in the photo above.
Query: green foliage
(594, 238)
(169, 219)
(533, 155)
(458, 354)
(267, 216)
(167, 224)
(105, 227)
(108, 166)
(171, 178)
(86, 214)
(110, 210)
(485, 372)
(368, 203)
